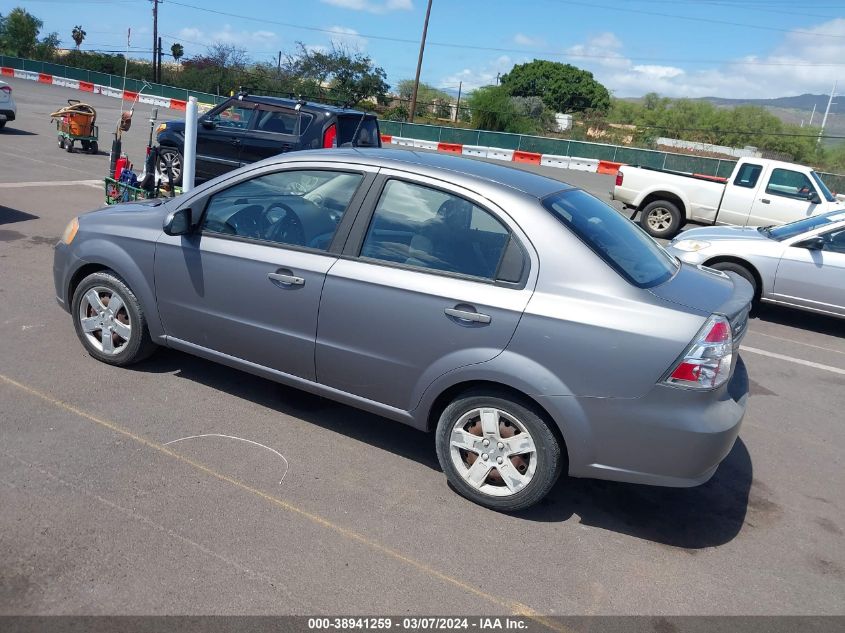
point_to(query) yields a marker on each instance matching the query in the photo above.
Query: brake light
(706, 363)
(6, 89)
(330, 136)
(619, 178)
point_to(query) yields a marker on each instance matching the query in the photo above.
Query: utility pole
(279, 64)
(419, 65)
(155, 39)
(458, 105)
(827, 111)
(158, 63)
(812, 114)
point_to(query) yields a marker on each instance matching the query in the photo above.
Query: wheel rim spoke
(513, 479)
(465, 441)
(90, 324)
(115, 304)
(108, 345)
(490, 423)
(123, 330)
(521, 444)
(93, 299)
(478, 472)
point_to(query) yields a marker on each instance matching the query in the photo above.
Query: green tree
(430, 100)
(78, 34)
(178, 51)
(19, 33)
(493, 109)
(562, 87)
(340, 74)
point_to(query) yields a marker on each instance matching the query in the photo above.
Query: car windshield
(617, 240)
(792, 229)
(823, 188)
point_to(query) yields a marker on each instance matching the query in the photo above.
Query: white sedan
(8, 109)
(800, 264)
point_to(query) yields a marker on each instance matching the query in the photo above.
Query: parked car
(8, 109)
(760, 192)
(801, 264)
(529, 324)
(248, 128)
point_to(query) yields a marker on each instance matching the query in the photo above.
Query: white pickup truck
(760, 192)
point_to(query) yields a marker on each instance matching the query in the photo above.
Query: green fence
(105, 79)
(441, 134)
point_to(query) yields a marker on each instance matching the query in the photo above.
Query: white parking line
(789, 340)
(792, 359)
(53, 183)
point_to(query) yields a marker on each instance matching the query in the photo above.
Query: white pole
(827, 111)
(190, 157)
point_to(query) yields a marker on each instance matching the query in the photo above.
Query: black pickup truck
(247, 128)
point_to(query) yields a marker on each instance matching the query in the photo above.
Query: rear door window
(281, 121)
(614, 238)
(367, 134)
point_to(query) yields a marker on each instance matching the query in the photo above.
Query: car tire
(128, 339)
(61, 142)
(69, 147)
(2, 124)
(497, 419)
(661, 219)
(174, 157)
(744, 272)
(93, 148)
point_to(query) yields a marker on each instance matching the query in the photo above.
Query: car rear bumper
(7, 115)
(670, 437)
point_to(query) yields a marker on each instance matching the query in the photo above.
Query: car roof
(434, 164)
(307, 106)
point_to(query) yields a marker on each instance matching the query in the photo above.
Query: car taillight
(706, 363)
(330, 136)
(619, 178)
(6, 89)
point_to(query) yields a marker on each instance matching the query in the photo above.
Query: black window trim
(343, 228)
(756, 180)
(355, 240)
(261, 107)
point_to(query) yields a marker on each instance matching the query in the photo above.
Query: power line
(522, 51)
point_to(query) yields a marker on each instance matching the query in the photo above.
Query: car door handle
(236, 141)
(287, 280)
(465, 315)
(765, 200)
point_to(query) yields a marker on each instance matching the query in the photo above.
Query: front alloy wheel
(497, 452)
(169, 157)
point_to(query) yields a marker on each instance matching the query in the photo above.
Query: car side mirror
(814, 198)
(815, 243)
(208, 124)
(178, 222)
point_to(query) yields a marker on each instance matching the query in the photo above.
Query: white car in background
(8, 109)
(800, 264)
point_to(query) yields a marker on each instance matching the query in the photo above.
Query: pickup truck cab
(759, 192)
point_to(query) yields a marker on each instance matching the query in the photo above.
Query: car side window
(748, 175)
(835, 241)
(281, 121)
(294, 207)
(429, 228)
(789, 183)
(236, 116)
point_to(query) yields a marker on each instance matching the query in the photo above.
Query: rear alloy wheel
(497, 453)
(109, 320)
(167, 156)
(661, 218)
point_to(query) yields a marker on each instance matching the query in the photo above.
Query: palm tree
(177, 51)
(78, 34)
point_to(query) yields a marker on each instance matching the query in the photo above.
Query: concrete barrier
(527, 157)
(583, 164)
(386, 139)
(608, 167)
(500, 154)
(475, 150)
(44, 78)
(431, 145)
(404, 142)
(450, 148)
(66, 83)
(553, 160)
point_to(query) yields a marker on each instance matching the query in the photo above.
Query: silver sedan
(801, 264)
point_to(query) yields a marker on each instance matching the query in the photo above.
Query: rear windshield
(614, 238)
(367, 131)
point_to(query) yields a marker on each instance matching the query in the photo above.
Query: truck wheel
(661, 218)
(173, 158)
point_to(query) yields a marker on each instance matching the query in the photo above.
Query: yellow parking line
(515, 608)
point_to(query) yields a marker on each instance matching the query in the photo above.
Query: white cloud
(371, 6)
(473, 78)
(795, 66)
(250, 40)
(527, 40)
(348, 37)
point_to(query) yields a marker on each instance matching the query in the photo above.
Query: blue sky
(679, 48)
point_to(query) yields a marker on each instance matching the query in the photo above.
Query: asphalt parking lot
(104, 512)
